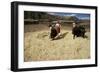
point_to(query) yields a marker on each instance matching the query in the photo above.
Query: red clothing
(57, 28)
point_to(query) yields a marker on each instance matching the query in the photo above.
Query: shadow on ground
(62, 36)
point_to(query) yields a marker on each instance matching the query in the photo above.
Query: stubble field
(39, 47)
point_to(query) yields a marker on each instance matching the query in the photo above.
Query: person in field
(58, 27)
(55, 30)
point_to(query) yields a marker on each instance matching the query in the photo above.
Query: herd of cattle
(77, 31)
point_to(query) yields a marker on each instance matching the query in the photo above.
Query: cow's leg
(50, 33)
(83, 35)
(73, 36)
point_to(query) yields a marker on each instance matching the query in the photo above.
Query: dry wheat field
(39, 47)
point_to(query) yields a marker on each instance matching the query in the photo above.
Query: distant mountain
(78, 15)
(52, 16)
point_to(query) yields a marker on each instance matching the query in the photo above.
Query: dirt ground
(39, 47)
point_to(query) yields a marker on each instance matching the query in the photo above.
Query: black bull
(78, 31)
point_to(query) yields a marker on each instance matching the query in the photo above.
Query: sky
(78, 15)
